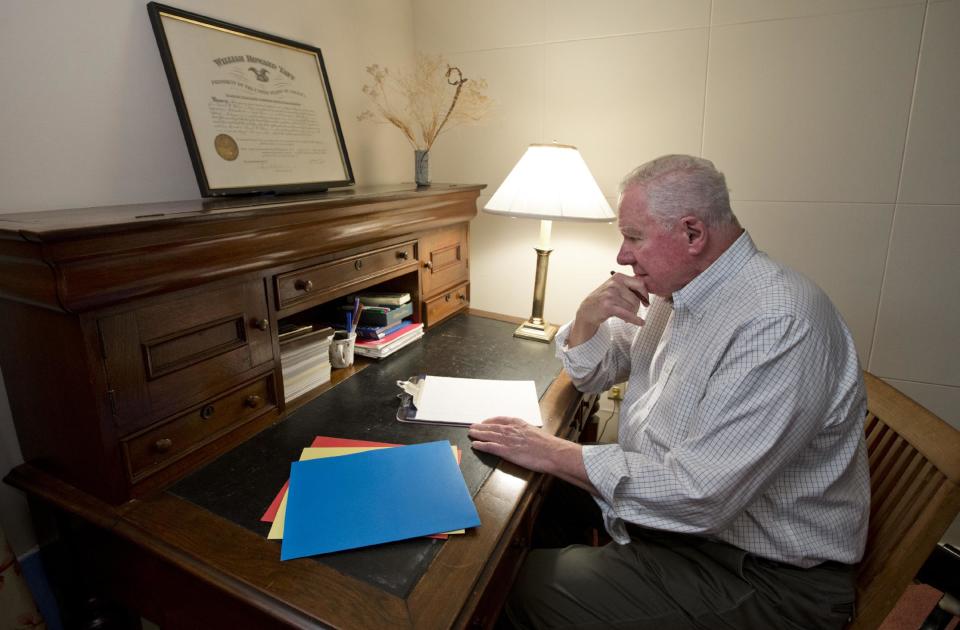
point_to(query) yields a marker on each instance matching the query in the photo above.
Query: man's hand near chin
(620, 296)
(526, 445)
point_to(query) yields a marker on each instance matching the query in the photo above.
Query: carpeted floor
(913, 607)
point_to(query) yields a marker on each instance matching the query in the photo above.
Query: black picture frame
(257, 110)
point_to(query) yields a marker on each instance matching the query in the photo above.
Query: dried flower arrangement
(416, 103)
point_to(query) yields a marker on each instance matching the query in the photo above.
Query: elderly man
(737, 494)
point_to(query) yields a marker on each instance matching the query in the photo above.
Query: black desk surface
(241, 484)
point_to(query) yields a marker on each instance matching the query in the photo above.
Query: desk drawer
(320, 282)
(445, 305)
(159, 446)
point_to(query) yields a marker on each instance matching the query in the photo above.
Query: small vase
(421, 167)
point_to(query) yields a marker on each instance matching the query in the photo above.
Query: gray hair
(678, 185)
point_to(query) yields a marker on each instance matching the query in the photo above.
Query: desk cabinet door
(444, 259)
(165, 357)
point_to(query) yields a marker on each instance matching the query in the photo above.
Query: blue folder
(374, 497)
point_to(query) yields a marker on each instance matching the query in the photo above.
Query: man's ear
(695, 232)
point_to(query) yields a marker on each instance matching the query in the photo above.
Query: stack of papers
(355, 494)
(305, 360)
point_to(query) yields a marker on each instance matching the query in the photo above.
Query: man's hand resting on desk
(526, 445)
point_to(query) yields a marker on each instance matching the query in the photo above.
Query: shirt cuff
(581, 360)
(598, 460)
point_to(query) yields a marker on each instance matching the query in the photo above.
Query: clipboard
(407, 411)
(528, 409)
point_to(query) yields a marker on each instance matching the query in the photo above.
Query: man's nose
(624, 257)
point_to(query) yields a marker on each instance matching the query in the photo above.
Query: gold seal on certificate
(226, 147)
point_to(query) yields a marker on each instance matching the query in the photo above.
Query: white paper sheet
(468, 400)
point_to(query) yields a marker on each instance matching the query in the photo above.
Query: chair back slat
(888, 467)
(879, 443)
(894, 489)
(891, 526)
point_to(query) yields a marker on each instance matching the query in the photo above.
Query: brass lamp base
(537, 331)
(535, 328)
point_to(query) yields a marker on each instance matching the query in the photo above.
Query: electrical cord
(613, 412)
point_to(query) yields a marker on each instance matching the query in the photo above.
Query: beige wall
(87, 117)
(836, 122)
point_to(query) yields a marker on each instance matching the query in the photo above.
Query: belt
(829, 565)
(636, 531)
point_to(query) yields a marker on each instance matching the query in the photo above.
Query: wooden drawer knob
(428, 264)
(261, 324)
(207, 411)
(303, 285)
(253, 401)
(403, 254)
(162, 445)
(357, 264)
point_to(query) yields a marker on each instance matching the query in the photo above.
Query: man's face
(658, 254)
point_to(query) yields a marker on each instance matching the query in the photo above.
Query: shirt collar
(696, 293)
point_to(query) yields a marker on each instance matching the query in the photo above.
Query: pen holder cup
(341, 349)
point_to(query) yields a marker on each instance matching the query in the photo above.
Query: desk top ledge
(56, 224)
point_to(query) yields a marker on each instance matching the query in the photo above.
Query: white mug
(341, 349)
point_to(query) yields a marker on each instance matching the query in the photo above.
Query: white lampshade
(551, 181)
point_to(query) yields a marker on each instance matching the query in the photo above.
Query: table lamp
(551, 182)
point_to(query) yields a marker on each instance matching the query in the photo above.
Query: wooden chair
(915, 481)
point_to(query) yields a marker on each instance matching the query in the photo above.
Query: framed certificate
(257, 111)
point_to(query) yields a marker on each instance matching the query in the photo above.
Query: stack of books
(304, 358)
(369, 298)
(385, 325)
(380, 311)
(380, 348)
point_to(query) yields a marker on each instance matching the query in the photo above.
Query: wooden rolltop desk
(139, 342)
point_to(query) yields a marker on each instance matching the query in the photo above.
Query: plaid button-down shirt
(743, 415)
